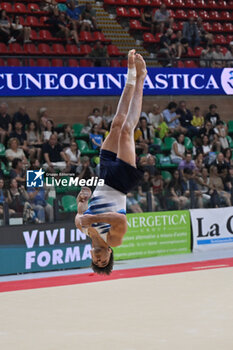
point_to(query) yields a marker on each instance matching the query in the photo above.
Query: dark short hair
(197, 109)
(142, 118)
(172, 105)
(212, 106)
(188, 171)
(107, 270)
(188, 152)
(15, 162)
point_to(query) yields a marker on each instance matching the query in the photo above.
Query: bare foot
(131, 58)
(84, 195)
(140, 66)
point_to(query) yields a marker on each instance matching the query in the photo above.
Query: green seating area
(2, 150)
(69, 204)
(230, 127)
(164, 162)
(77, 128)
(85, 149)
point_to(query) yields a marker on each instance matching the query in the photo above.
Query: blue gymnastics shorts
(117, 173)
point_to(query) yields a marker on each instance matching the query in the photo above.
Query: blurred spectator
(14, 151)
(18, 201)
(212, 116)
(186, 119)
(175, 192)
(107, 115)
(50, 6)
(144, 187)
(60, 28)
(208, 130)
(190, 32)
(228, 183)
(99, 55)
(172, 119)
(19, 134)
(5, 122)
(34, 164)
(144, 114)
(182, 48)
(162, 19)
(229, 55)
(207, 56)
(157, 187)
(190, 189)
(146, 131)
(95, 138)
(73, 12)
(221, 130)
(228, 157)
(178, 150)
(210, 196)
(54, 157)
(18, 171)
(217, 184)
(1, 171)
(198, 119)
(33, 140)
(132, 204)
(84, 170)
(95, 118)
(199, 163)
(43, 118)
(19, 32)
(66, 136)
(140, 144)
(21, 116)
(4, 27)
(148, 163)
(73, 154)
(206, 148)
(4, 198)
(187, 163)
(49, 130)
(166, 48)
(155, 117)
(218, 55)
(220, 163)
(205, 37)
(88, 18)
(147, 19)
(216, 145)
(43, 210)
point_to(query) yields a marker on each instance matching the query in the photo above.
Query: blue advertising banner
(42, 81)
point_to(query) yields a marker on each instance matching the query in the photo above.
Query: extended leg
(126, 145)
(111, 142)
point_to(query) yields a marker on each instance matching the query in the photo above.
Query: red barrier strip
(91, 277)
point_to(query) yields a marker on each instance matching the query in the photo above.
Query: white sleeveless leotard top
(105, 199)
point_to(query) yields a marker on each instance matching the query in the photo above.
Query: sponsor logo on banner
(154, 234)
(57, 246)
(212, 228)
(34, 81)
(54, 256)
(227, 80)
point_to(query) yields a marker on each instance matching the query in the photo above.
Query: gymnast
(103, 217)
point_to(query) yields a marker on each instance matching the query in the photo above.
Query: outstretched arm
(117, 221)
(82, 202)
